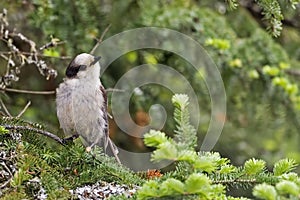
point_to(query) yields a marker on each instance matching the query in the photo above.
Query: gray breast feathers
(82, 110)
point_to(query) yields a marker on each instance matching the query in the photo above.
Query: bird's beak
(96, 59)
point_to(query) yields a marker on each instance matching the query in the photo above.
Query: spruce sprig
(206, 175)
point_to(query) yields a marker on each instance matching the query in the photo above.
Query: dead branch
(4, 108)
(293, 72)
(114, 90)
(28, 91)
(5, 183)
(42, 132)
(100, 39)
(10, 173)
(37, 54)
(54, 42)
(24, 109)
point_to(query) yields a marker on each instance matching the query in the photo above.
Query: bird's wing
(104, 110)
(113, 148)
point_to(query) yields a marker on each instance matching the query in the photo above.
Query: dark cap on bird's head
(80, 63)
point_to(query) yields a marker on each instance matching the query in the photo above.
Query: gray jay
(82, 104)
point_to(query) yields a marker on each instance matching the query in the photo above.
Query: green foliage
(265, 191)
(155, 141)
(219, 44)
(254, 166)
(206, 175)
(3, 130)
(284, 166)
(80, 24)
(232, 4)
(258, 104)
(288, 188)
(166, 150)
(284, 188)
(262, 115)
(186, 134)
(59, 168)
(171, 186)
(272, 13)
(195, 184)
(185, 139)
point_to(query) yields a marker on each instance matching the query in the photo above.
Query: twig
(7, 169)
(51, 44)
(42, 132)
(293, 72)
(24, 109)
(109, 115)
(5, 183)
(114, 90)
(11, 175)
(100, 39)
(28, 91)
(9, 62)
(25, 39)
(37, 54)
(9, 158)
(4, 108)
(7, 66)
(251, 181)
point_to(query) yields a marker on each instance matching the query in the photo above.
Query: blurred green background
(258, 70)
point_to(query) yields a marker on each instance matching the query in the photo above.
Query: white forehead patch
(83, 59)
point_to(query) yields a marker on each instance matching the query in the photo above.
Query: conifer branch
(197, 173)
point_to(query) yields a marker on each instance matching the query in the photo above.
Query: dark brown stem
(114, 90)
(11, 175)
(293, 72)
(37, 54)
(24, 109)
(4, 108)
(42, 132)
(100, 39)
(28, 91)
(252, 181)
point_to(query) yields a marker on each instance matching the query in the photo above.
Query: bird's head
(83, 65)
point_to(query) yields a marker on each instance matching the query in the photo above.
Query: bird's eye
(82, 67)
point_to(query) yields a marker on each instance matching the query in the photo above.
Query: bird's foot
(69, 139)
(89, 148)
